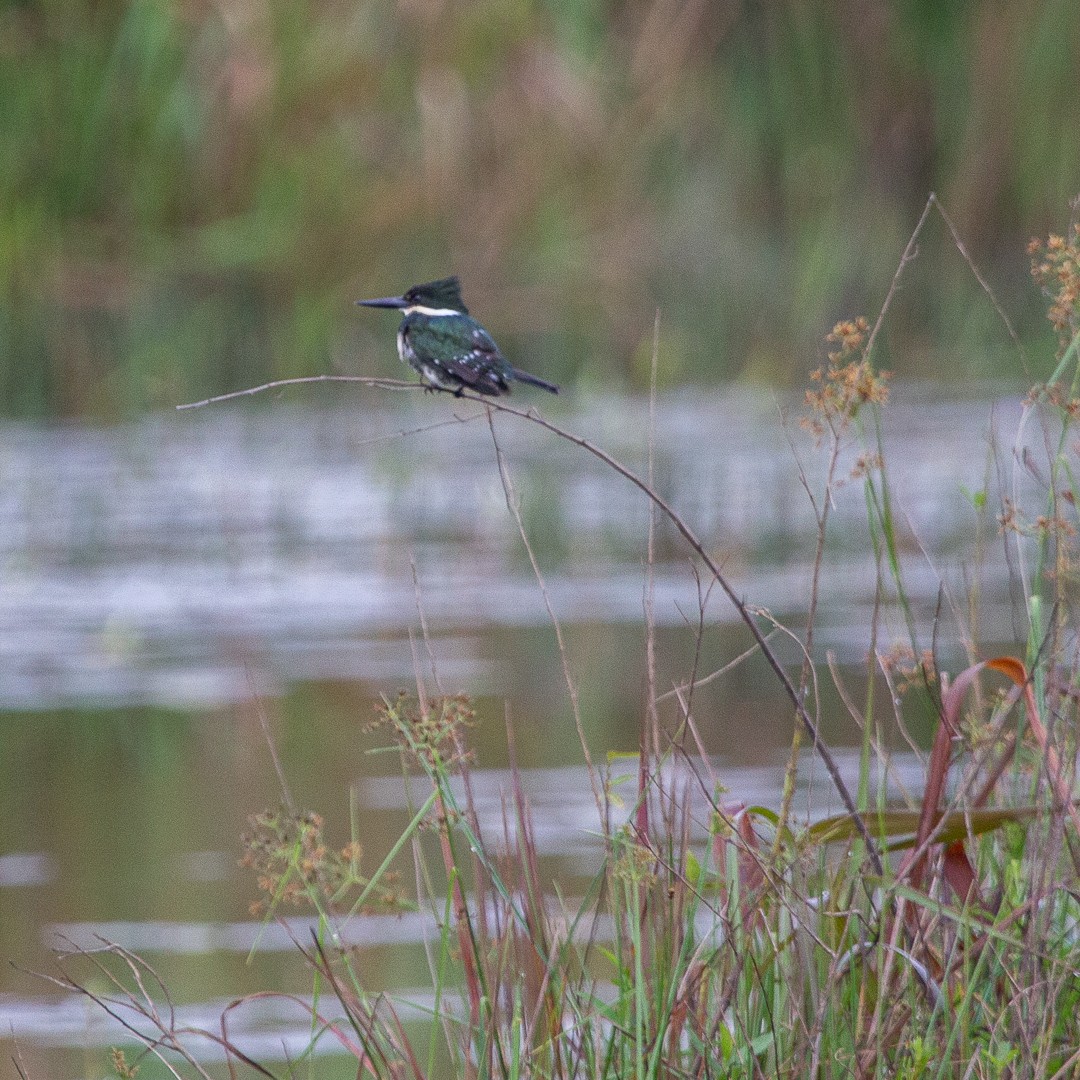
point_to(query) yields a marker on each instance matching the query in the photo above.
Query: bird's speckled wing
(462, 349)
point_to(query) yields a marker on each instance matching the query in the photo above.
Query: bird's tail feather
(532, 380)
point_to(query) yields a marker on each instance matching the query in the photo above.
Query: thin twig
(456, 736)
(571, 686)
(807, 671)
(747, 616)
(650, 556)
(364, 380)
(690, 685)
(423, 429)
(532, 416)
(651, 726)
(420, 614)
(910, 252)
(960, 246)
(268, 735)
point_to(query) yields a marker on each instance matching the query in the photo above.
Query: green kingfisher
(450, 349)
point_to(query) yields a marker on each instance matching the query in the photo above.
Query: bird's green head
(443, 295)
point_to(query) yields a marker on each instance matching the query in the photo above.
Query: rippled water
(140, 561)
(162, 578)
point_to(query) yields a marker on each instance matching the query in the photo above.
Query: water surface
(166, 582)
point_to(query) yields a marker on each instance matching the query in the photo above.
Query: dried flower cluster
(907, 670)
(294, 865)
(634, 863)
(1059, 526)
(429, 730)
(846, 383)
(1053, 394)
(1055, 266)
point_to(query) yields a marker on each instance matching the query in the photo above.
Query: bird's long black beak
(386, 301)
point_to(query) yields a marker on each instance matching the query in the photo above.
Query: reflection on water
(162, 563)
(159, 578)
(26, 868)
(267, 1030)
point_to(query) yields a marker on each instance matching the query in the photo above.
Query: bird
(447, 346)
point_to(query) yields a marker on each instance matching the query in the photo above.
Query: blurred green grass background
(192, 192)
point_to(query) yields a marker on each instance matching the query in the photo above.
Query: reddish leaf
(960, 874)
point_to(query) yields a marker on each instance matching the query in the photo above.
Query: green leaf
(693, 868)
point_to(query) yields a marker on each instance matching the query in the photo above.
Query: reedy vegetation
(191, 193)
(772, 948)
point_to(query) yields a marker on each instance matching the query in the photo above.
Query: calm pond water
(166, 581)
